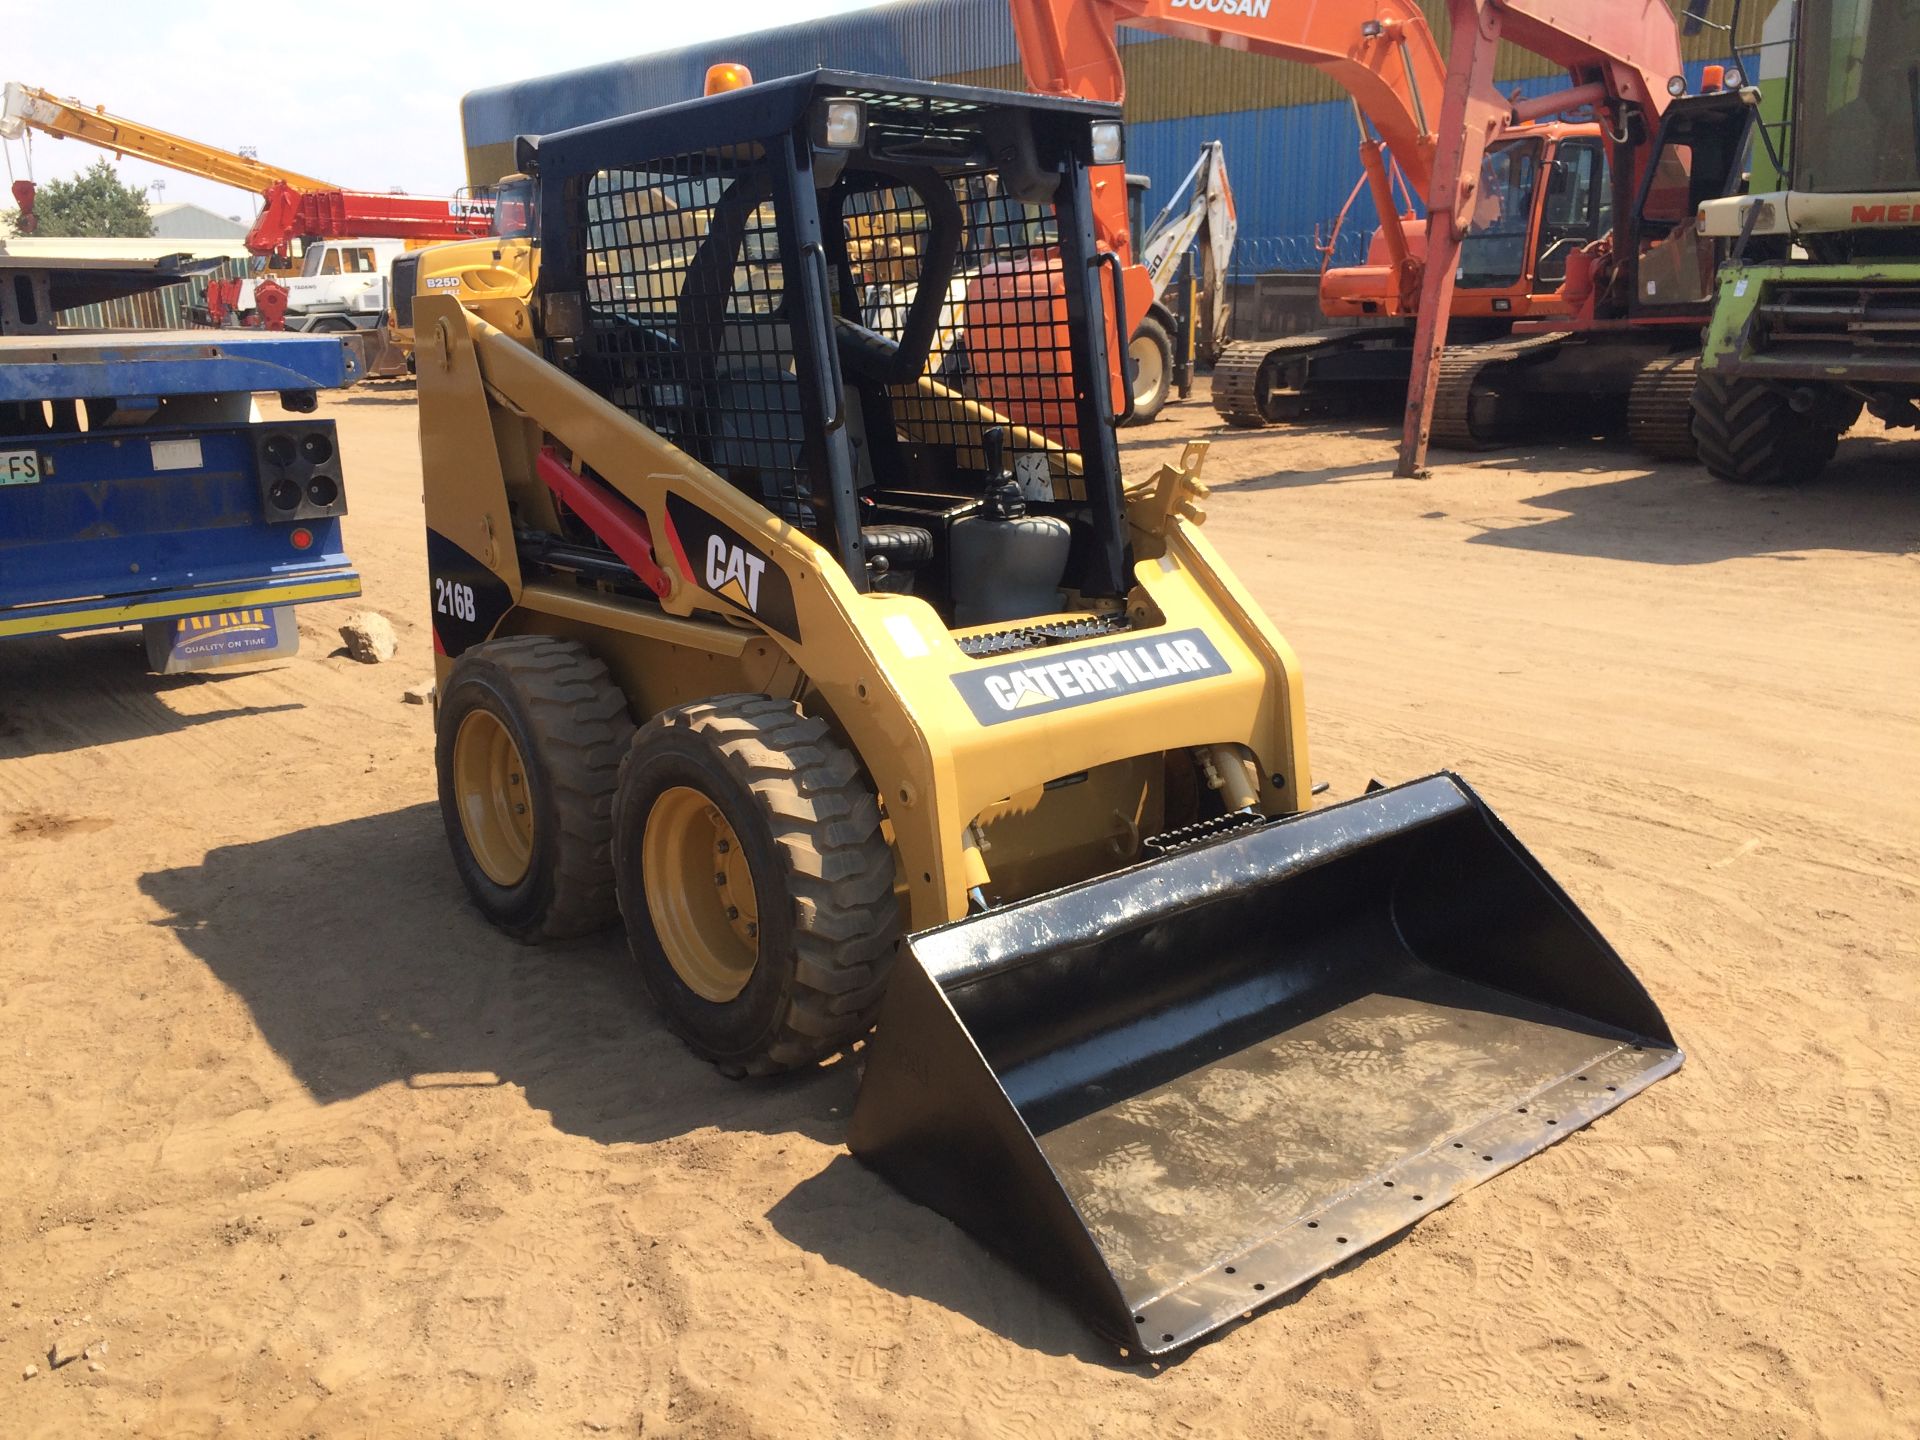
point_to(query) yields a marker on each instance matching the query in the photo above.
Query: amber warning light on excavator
(722, 78)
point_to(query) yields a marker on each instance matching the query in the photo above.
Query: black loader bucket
(1181, 1091)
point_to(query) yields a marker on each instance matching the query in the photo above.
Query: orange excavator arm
(1434, 117)
(1380, 51)
(1619, 55)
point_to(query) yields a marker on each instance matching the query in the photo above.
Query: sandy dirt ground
(315, 1152)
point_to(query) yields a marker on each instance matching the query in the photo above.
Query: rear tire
(1150, 357)
(529, 738)
(1748, 434)
(755, 881)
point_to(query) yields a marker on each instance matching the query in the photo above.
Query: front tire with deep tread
(570, 724)
(808, 823)
(1749, 434)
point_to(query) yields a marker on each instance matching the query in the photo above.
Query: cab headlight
(843, 124)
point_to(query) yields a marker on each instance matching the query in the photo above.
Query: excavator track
(1237, 390)
(1468, 409)
(1660, 408)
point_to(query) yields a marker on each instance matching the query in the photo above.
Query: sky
(365, 93)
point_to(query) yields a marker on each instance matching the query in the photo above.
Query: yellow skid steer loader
(790, 609)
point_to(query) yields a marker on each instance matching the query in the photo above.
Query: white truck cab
(342, 285)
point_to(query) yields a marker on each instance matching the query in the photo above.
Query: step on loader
(790, 610)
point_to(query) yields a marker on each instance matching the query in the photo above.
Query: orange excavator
(1520, 205)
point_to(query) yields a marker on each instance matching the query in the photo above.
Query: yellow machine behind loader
(790, 609)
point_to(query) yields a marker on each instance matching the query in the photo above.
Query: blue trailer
(141, 485)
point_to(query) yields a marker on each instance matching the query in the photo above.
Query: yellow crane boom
(25, 107)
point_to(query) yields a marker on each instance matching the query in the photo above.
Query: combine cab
(1818, 315)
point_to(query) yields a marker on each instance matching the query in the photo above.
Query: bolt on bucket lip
(1298, 1252)
(1180, 1092)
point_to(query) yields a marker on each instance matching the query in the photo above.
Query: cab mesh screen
(689, 318)
(1000, 353)
(686, 329)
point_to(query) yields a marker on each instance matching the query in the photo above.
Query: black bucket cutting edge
(1181, 1091)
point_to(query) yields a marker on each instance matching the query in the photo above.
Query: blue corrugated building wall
(1289, 131)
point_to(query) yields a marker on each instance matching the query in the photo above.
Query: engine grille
(1840, 319)
(1034, 637)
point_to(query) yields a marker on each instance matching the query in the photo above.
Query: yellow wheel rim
(496, 807)
(700, 894)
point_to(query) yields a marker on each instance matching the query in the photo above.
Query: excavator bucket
(1183, 1090)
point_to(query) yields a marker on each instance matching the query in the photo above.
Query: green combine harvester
(1818, 310)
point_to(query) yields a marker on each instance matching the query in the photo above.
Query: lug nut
(722, 845)
(753, 930)
(732, 913)
(719, 878)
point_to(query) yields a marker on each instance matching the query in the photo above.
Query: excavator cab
(791, 609)
(1543, 194)
(1575, 211)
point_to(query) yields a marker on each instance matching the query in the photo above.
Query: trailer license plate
(19, 467)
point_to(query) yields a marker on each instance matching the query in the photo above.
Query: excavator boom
(1382, 54)
(1385, 57)
(1202, 206)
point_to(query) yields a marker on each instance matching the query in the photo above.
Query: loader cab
(1494, 251)
(1856, 98)
(516, 212)
(876, 307)
(1699, 154)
